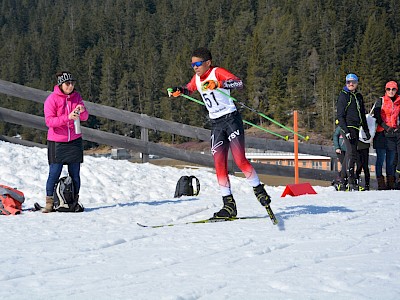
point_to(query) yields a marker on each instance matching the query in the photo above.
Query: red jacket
(390, 111)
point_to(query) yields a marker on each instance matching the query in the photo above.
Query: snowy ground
(333, 245)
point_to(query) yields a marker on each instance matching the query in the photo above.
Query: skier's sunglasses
(351, 81)
(198, 63)
(391, 89)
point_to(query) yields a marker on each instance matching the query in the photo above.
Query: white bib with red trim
(217, 103)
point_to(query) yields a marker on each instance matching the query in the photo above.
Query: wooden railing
(147, 122)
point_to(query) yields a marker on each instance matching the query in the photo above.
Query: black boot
(397, 178)
(262, 195)
(391, 182)
(228, 210)
(381, 183)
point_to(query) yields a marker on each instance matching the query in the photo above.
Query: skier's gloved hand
(211, 85)
(176, 91)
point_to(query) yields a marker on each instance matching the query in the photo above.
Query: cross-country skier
(227, 126)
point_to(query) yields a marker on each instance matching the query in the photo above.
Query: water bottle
(77, 124)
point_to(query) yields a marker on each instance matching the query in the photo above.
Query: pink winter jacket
(57, 107)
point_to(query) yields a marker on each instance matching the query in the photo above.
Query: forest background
(291, 55)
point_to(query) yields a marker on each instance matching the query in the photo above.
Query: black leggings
(351, 157)
(342, 171)
(362, 164)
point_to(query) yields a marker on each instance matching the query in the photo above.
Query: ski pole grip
(169, 90)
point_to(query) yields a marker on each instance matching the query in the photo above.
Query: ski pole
(286, 138)
(169, 90)
(306, 138)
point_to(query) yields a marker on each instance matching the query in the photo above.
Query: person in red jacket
(397, 156)
(386, 112)
(64, 142)
(227, 126)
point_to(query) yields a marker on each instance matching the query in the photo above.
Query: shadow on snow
(155, 203)
(294, 211)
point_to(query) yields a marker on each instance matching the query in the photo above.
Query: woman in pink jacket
(64, 140)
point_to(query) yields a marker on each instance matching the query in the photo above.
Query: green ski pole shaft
(244, 121)
(286, 138)
(169, 90)
(306, 138)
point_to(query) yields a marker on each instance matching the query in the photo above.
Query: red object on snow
(298, 189)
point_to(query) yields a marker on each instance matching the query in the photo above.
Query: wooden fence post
(144, 136)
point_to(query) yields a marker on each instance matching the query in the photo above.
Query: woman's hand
(74, 115)
(80, 107)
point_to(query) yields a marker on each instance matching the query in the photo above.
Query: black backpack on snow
(187, 186)
(64, 198)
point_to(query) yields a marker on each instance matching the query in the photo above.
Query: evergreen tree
(374, 58)
(276, 105)
(125, 53)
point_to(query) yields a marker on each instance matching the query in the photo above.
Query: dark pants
(362, 165)
(381, 156)
(397, 157)
(342, 172)
(351, 156)
(55, 172)
(59, 154)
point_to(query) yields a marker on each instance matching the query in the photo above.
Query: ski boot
(341, 185)
(352, 186)
(358, 183)
(262, 195)
(228, 210)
